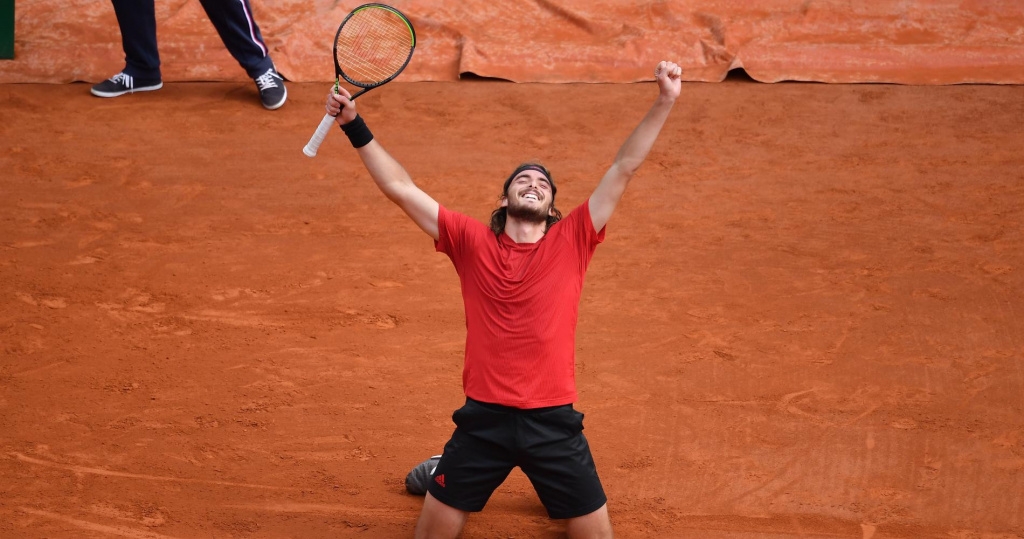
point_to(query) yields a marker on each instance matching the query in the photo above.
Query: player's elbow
(623, 171)
(401, 191)
(625, 168)
(394, 194)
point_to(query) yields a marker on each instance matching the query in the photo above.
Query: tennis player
(521, 278)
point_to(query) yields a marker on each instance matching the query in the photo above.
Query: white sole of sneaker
(278, 105)
(132, 91)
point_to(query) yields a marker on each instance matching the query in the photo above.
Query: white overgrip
(318, 137)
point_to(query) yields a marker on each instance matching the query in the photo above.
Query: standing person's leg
(237, 28)
(137, 22)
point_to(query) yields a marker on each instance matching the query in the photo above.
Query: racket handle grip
(318, 137)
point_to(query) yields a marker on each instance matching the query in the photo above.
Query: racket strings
(373, 45)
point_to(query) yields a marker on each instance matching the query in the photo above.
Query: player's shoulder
(456, 220)
(577, 215)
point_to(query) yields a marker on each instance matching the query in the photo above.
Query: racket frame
(325, 123)
(339, 72)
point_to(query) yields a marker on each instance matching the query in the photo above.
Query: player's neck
(524, 231)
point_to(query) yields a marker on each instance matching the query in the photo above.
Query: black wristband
(358, 134)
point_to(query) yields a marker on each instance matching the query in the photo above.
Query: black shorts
(546, 443)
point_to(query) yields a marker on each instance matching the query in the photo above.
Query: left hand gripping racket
(373, 45)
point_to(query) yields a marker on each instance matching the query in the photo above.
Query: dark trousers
(232, 18)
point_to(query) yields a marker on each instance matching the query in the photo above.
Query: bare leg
(595, 525)
(440, 521)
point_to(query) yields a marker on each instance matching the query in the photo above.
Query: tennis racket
(373, 45)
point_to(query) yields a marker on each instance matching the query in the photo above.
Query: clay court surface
(807, 319)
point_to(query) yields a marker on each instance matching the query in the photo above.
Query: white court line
(92, 526)
(110, 473)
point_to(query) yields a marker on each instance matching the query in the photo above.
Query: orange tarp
(898, 41)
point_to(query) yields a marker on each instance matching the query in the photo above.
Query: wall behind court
(894, 41)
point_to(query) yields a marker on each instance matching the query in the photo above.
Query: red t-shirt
(522, 302)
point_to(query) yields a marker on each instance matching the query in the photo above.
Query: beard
(522, 212)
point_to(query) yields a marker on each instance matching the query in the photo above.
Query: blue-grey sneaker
(123, 83)
(272, 91)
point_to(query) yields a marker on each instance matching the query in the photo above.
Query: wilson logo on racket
(373, 45)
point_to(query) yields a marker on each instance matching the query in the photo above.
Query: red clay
(805, 321)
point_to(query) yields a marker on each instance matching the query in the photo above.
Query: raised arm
(633, 152)
(389, 175)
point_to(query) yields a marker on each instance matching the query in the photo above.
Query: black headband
(530, 166)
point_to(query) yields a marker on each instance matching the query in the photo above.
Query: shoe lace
(266, 80)
(124, 79)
